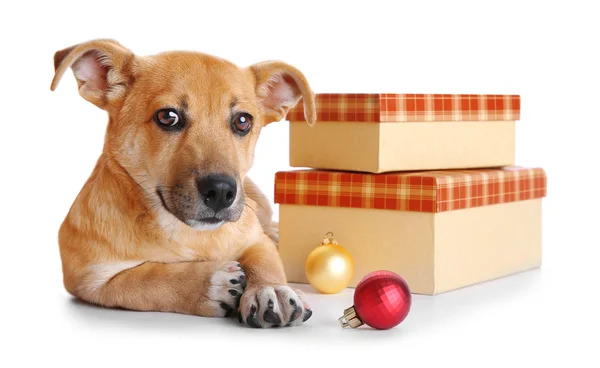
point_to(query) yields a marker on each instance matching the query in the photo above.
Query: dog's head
(183, 124)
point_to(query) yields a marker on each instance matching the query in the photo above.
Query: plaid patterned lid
(385, 107)
(427, 191)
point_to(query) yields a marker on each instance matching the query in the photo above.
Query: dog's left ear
(279, 87)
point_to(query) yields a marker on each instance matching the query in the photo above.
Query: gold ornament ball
(329, 268)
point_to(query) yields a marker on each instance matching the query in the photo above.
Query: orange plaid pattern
(427, 191)
(411, 108)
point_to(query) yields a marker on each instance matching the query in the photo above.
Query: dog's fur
(121, 244)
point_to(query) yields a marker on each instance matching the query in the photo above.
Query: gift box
(402, 132)
(440, 230)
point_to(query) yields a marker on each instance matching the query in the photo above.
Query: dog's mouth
(211, 222)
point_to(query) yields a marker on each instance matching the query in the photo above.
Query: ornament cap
(329, 239)
(350, 318)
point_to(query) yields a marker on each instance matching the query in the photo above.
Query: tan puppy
(168, 220)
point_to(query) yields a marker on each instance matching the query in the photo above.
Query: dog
(168, 220)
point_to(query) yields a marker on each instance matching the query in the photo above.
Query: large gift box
(401, 132)
(440, 230)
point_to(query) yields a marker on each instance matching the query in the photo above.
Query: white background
(49, 142)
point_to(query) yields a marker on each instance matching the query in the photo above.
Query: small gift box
(401, 132)
(440, 230)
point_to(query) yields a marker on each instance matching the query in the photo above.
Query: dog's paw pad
(234, 266)
(307, 315)
(241, 281)
(251, 319)
(270, 315)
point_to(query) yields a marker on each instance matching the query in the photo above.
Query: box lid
(427, 191)
(386, 107)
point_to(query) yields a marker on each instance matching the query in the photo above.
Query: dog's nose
(217, 191)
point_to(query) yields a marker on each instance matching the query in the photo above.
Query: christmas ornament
(382, 300)
(329, 267)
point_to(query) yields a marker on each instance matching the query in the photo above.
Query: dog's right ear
(102, 69)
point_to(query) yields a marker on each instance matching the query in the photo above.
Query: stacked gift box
(422, 185)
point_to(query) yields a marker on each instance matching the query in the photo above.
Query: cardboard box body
(400, 132)
(440, 231)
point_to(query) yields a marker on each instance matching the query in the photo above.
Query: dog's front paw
(273, 306)
(226, 287)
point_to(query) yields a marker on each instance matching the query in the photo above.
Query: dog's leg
(268, 301)
(264, 212)
(203, 288)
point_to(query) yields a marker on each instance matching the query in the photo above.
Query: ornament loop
(329, 239)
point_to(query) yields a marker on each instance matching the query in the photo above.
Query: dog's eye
(167, 117)
(242, 123)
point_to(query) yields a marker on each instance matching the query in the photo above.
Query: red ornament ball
(382, 300)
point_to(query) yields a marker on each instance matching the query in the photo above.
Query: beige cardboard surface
(484, 243)
(330, 146)
(432, 252)
(386, 147)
